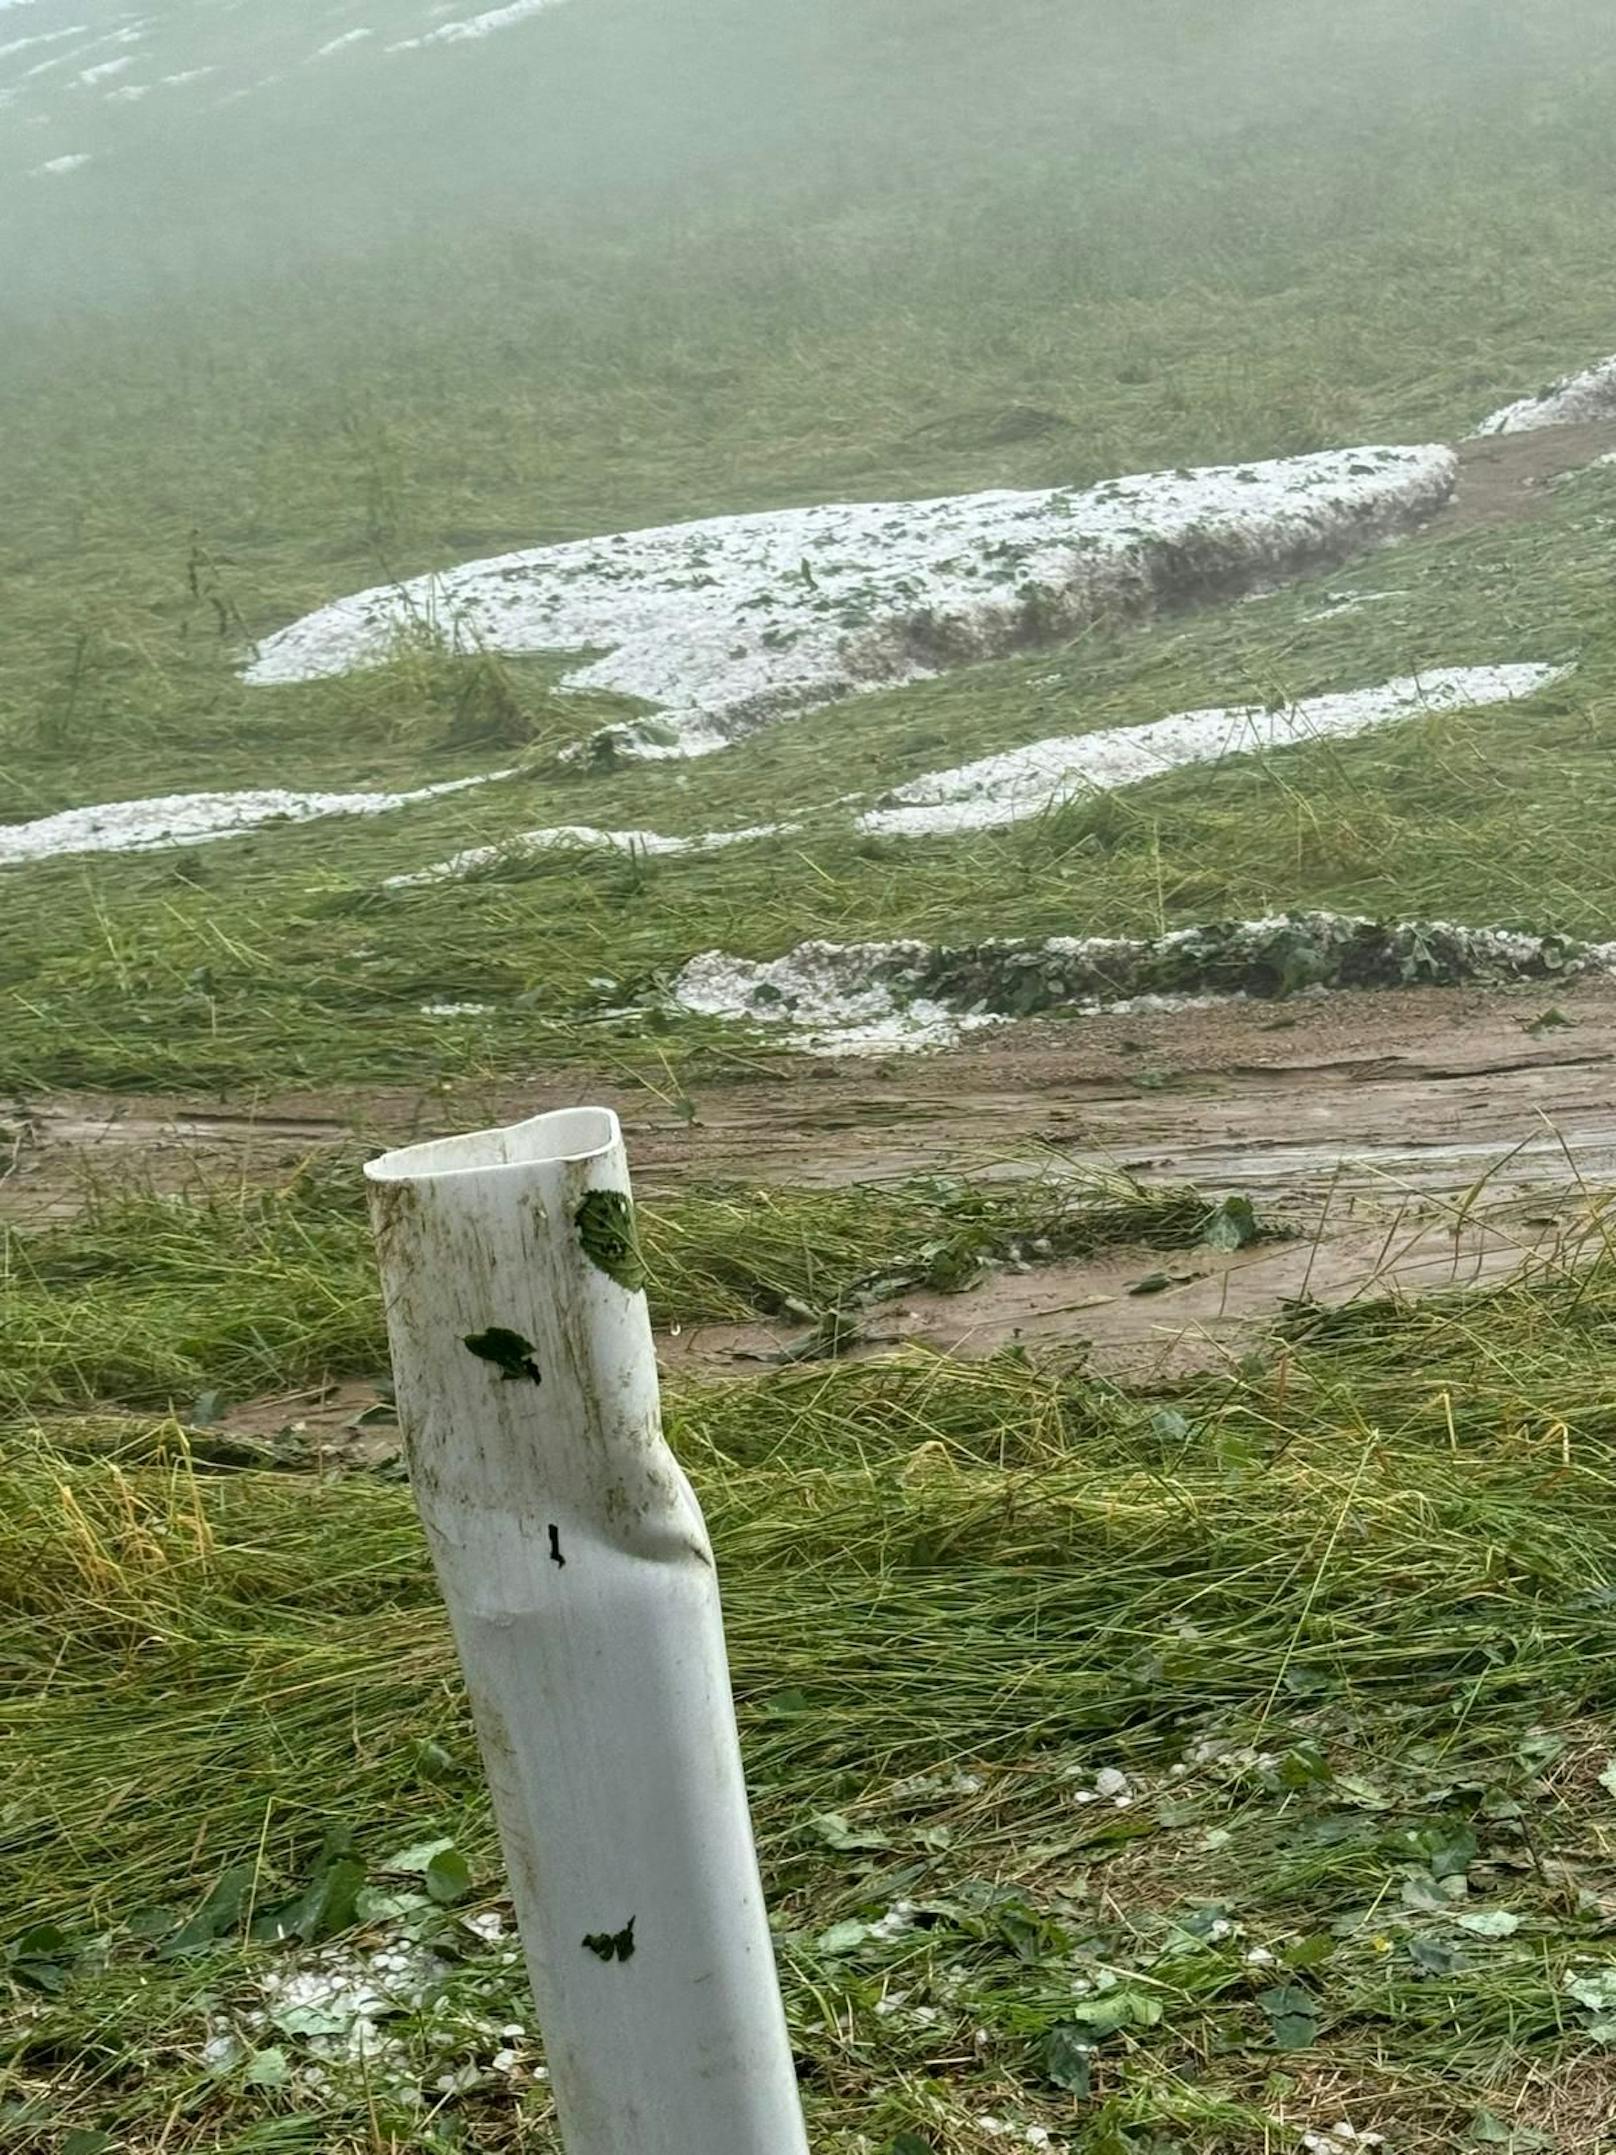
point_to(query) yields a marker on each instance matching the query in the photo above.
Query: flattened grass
(1340, 1624)
(149, 1300)
(282, 959)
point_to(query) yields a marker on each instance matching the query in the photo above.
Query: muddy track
(1413, 1139)
(1508, 478)
(1423, 1089)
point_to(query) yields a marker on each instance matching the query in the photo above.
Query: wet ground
(1407, 1140)
(1509, 478)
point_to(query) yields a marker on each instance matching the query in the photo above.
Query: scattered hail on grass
(579, 837)
(1030, 2136)
(62, 59)
(476, 26)
(731, 623)
(1028, 781)
(1338, 604)
(397, 2018)
(868, 998)
(189, 819)
(1581, 471)
(1577, 397)
(337, 2001)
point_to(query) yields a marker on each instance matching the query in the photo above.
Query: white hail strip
(475, 26)
(731, 623)
(62, 59)
(1027, 782)
(71, 163)
(579, 837)
(866, 998)
(1579, 397)
(348, 39)
(833, 996)
(187, 819)
(105, 71)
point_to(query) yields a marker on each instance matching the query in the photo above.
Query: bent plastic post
(579, 1579)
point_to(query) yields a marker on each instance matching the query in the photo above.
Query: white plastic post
(579, 1579)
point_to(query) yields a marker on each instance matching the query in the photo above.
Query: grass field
(147, 1300)
(1137, 1773)
(1297, 271)
(1330, 1640)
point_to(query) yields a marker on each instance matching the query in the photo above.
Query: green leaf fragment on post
(605, 1222)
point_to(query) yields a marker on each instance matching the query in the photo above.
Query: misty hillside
(208, 136)
(991, 621)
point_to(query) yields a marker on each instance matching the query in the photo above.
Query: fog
(228, 144)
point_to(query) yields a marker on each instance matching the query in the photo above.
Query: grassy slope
(279, 957)
(1343, 1621)
(1298, 270)
(1371, 1573)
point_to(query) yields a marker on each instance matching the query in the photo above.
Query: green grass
(1342, 1621)
(279, 959)
(245, 975)
(150, 1300)
(1388, 257)
(1342, 1617)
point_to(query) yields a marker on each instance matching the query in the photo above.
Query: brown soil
(1508, 478)
(1413, 1139)
(1375, 1092)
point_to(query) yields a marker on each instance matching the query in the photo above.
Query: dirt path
(1508, 478)
(1415, 1089)
(1414, 1139)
